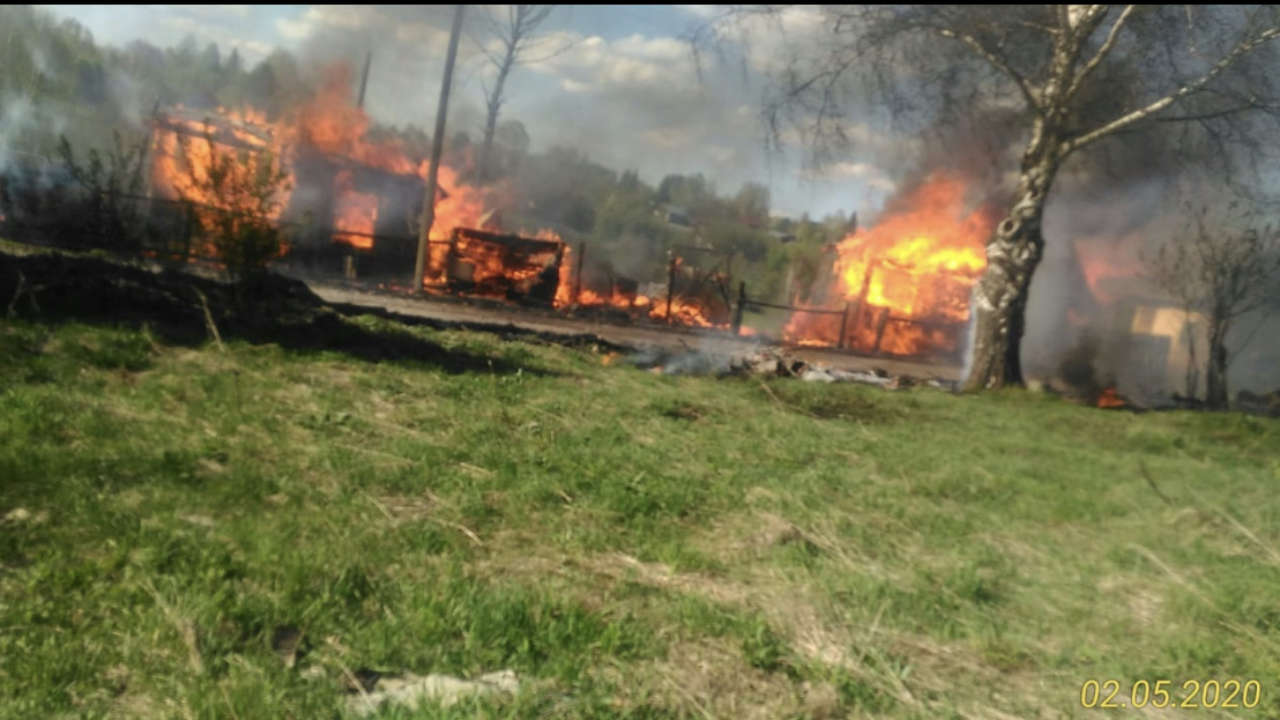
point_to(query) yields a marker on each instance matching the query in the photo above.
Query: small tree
(111, 188)
(515, 37)
(243, 192)
(1224, 270)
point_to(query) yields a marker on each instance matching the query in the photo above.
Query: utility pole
(437, 147)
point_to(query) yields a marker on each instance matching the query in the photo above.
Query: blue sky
(624, 92)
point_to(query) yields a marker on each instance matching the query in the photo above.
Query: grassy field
(631, 545)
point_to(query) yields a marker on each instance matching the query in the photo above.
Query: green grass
(631, 544)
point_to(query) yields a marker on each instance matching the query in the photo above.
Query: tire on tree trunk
(1000, 296)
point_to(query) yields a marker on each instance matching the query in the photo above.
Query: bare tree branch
(1244, 48)
(1098, 57)
(973, 44)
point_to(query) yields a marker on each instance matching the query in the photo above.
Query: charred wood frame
(516, 267)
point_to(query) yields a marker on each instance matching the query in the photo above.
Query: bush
(244, 193)
(109, 215)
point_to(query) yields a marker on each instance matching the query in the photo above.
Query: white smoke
(129, 96)
(17, 115)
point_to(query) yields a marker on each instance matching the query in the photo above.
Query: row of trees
(630, 221)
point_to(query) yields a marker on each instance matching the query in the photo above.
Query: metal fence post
(671, 284)
(577, 273)
(742, 301)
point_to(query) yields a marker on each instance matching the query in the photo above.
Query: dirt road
(637, 336)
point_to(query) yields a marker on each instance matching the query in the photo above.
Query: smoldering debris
(765, 362)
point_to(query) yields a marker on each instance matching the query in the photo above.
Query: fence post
(577, 273)
(844, 326)
(188, 221)
(862, 295)
(880, 326)
(742, 301)
(671, 283)
(450, 257)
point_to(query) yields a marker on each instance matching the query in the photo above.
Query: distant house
(782, 236)
(674, 214)
(1149, 343)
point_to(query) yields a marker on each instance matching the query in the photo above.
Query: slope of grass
(632, 545)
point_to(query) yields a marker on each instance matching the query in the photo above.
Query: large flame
(906, 281)
(355, 214)
(1109, 267)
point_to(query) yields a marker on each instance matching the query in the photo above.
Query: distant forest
(56, 81)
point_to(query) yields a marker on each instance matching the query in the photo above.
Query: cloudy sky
(616, 82)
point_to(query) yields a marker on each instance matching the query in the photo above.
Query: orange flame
(1110, 399)
(906, 280)
(682, 312)
(1104, 264)
(187, 155)
(355, 214)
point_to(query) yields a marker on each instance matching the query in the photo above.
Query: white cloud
(216, 12)
(866, 173)
(722, 155)
(661, 49)
(630, 62)
(668, 138)
(319, 18)
(225, 37)
(294, 29)
(882, 183)
(700, 11)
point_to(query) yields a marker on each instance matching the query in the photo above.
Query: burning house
(904, 283)
(1149, 345)
(363, 214)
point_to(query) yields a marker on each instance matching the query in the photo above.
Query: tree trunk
(494, 104)
(1193, 366)
(1216, 376)
(1000, 297)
